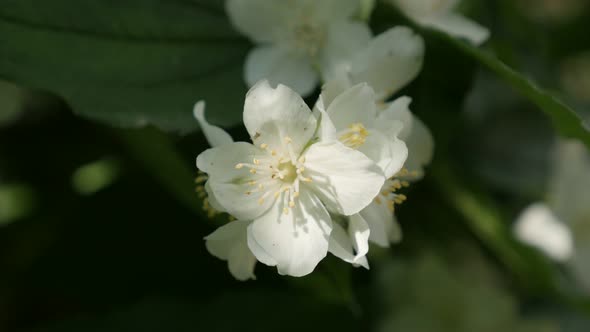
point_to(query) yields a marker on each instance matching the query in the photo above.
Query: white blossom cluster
(321, 179)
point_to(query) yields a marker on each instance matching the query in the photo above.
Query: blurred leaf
(565, 120)
(127, 63)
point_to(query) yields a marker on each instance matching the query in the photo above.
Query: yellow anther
(288, 139)
(277, 194)
(355, 136)
(261, 201)
(286, 211)
(304, 179)
(253, 171)
(296, 194)
(405, 183)
(201, 178)
(273, 153)
(200, 189)
(263, 146)
(291, 204)
(301, 159)
(261, 186)
(377, 200)
(256, 161)
(252, 183)
(239, 166)
(248, 192)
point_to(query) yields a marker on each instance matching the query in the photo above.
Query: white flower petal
(228, 243)
(227, 184)
(355, 105)
(335, 87)
(391, 60)
(397, 110)
(326, 130)
(260, 20)
(345, 179)
(389, 154)
(344, 40)
(343, 244)
(381, 224)
(359, 233)
(273, 115)
(212, 200)
(215, 135)
(540, 228)
(298, 240)
(459, 26)
(279, 66)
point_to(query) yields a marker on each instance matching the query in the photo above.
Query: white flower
(561, 226)
(296, 39)
(283, 182)
(439, 14)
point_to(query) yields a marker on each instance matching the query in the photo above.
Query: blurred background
(101, 230)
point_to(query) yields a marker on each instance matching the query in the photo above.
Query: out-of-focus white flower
(439, 14)
(296, 39)
(283, 182)
(539, 227)
(566, 216)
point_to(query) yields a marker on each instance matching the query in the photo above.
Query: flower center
(288, 172)
(309, 39)
(355, 136)
(275, 175)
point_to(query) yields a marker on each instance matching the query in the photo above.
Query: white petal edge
(215, 135)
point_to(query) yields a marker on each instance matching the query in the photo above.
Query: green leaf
(485, 220)
(565, 120)
(127, 63)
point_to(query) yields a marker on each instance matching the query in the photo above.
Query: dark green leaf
(127, 63)
(565, 120)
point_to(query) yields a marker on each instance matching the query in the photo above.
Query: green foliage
(127, 63)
